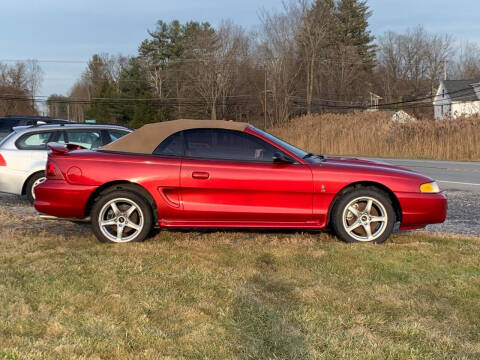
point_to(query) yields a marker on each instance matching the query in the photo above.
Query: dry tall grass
(374, 134)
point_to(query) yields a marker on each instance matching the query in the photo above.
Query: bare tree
(467, 62)
(277, 47)
(15, 101)
(157, 75)
(17, 76)
(344, 77)
(58, 106)
(218, 54)
(34, 76)
(410, 64)
(439, 52)
(19, 84)
(78, 92)
(103, 68)
(233, 53)
(314, 36)
(4, 75)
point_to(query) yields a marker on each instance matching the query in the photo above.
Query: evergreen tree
(166, 43)
(167, 58)
(134, 85)
(101, 106)
(101, 88)
(353, 29)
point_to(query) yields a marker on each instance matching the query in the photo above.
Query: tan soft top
(146, 139)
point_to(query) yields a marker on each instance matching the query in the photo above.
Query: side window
(35, 141)
(227, 145)
(89, 139)
(171, 146)
(116, 134)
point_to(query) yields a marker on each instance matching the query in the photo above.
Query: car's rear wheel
(35, 180)
(364, 215)
(120, 217)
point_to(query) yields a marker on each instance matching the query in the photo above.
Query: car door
(229, 176)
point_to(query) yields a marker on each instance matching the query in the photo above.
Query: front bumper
(420, 210)
(61, 199)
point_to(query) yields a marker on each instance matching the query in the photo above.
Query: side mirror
(279, 158)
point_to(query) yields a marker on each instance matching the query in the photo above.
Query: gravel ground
(463, 214)
(16, 213)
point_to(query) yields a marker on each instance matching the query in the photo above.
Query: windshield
(294, 150)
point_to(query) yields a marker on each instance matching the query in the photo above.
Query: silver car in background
(23, 153)
(9, 122)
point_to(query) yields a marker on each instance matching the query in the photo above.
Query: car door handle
(200, 175)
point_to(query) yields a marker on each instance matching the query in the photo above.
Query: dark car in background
(8, 122)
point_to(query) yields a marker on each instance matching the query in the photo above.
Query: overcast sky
(74, 30)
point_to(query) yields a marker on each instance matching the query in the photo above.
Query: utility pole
(445, 68)
(265, 99)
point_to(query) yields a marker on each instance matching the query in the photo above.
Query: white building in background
(457, 98)
(374, 100)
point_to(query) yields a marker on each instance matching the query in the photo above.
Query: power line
(57, 61)
(338, 60)
(203, 102)
(240, 100)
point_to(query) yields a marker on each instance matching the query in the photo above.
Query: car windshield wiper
(310, 155)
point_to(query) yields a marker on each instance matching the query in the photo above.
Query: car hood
(359, 161)
(364, 165)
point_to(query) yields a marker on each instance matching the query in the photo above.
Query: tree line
(311, 56)
(19, 84)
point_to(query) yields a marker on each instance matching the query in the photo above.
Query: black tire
(141, 217)
(33, 181)
(344, 220)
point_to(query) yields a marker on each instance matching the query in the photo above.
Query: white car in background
(23, 153)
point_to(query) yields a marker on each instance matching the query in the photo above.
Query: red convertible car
(220, 174)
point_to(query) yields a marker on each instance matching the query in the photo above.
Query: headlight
(431, 188)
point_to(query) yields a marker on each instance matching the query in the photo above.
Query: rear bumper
(420, 210)
(11, 181)
(61, 199)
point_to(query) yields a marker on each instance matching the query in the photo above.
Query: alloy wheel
(121, 220)
(35, 183)
(365, 219)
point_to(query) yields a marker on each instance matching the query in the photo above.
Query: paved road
(461, 182)
(450, 174)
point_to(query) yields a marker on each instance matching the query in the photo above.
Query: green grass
(188, 295)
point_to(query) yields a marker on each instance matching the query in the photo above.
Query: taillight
(2, 161)
(52, 172)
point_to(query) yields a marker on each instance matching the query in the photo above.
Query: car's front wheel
(121, 216)
(364, 215)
